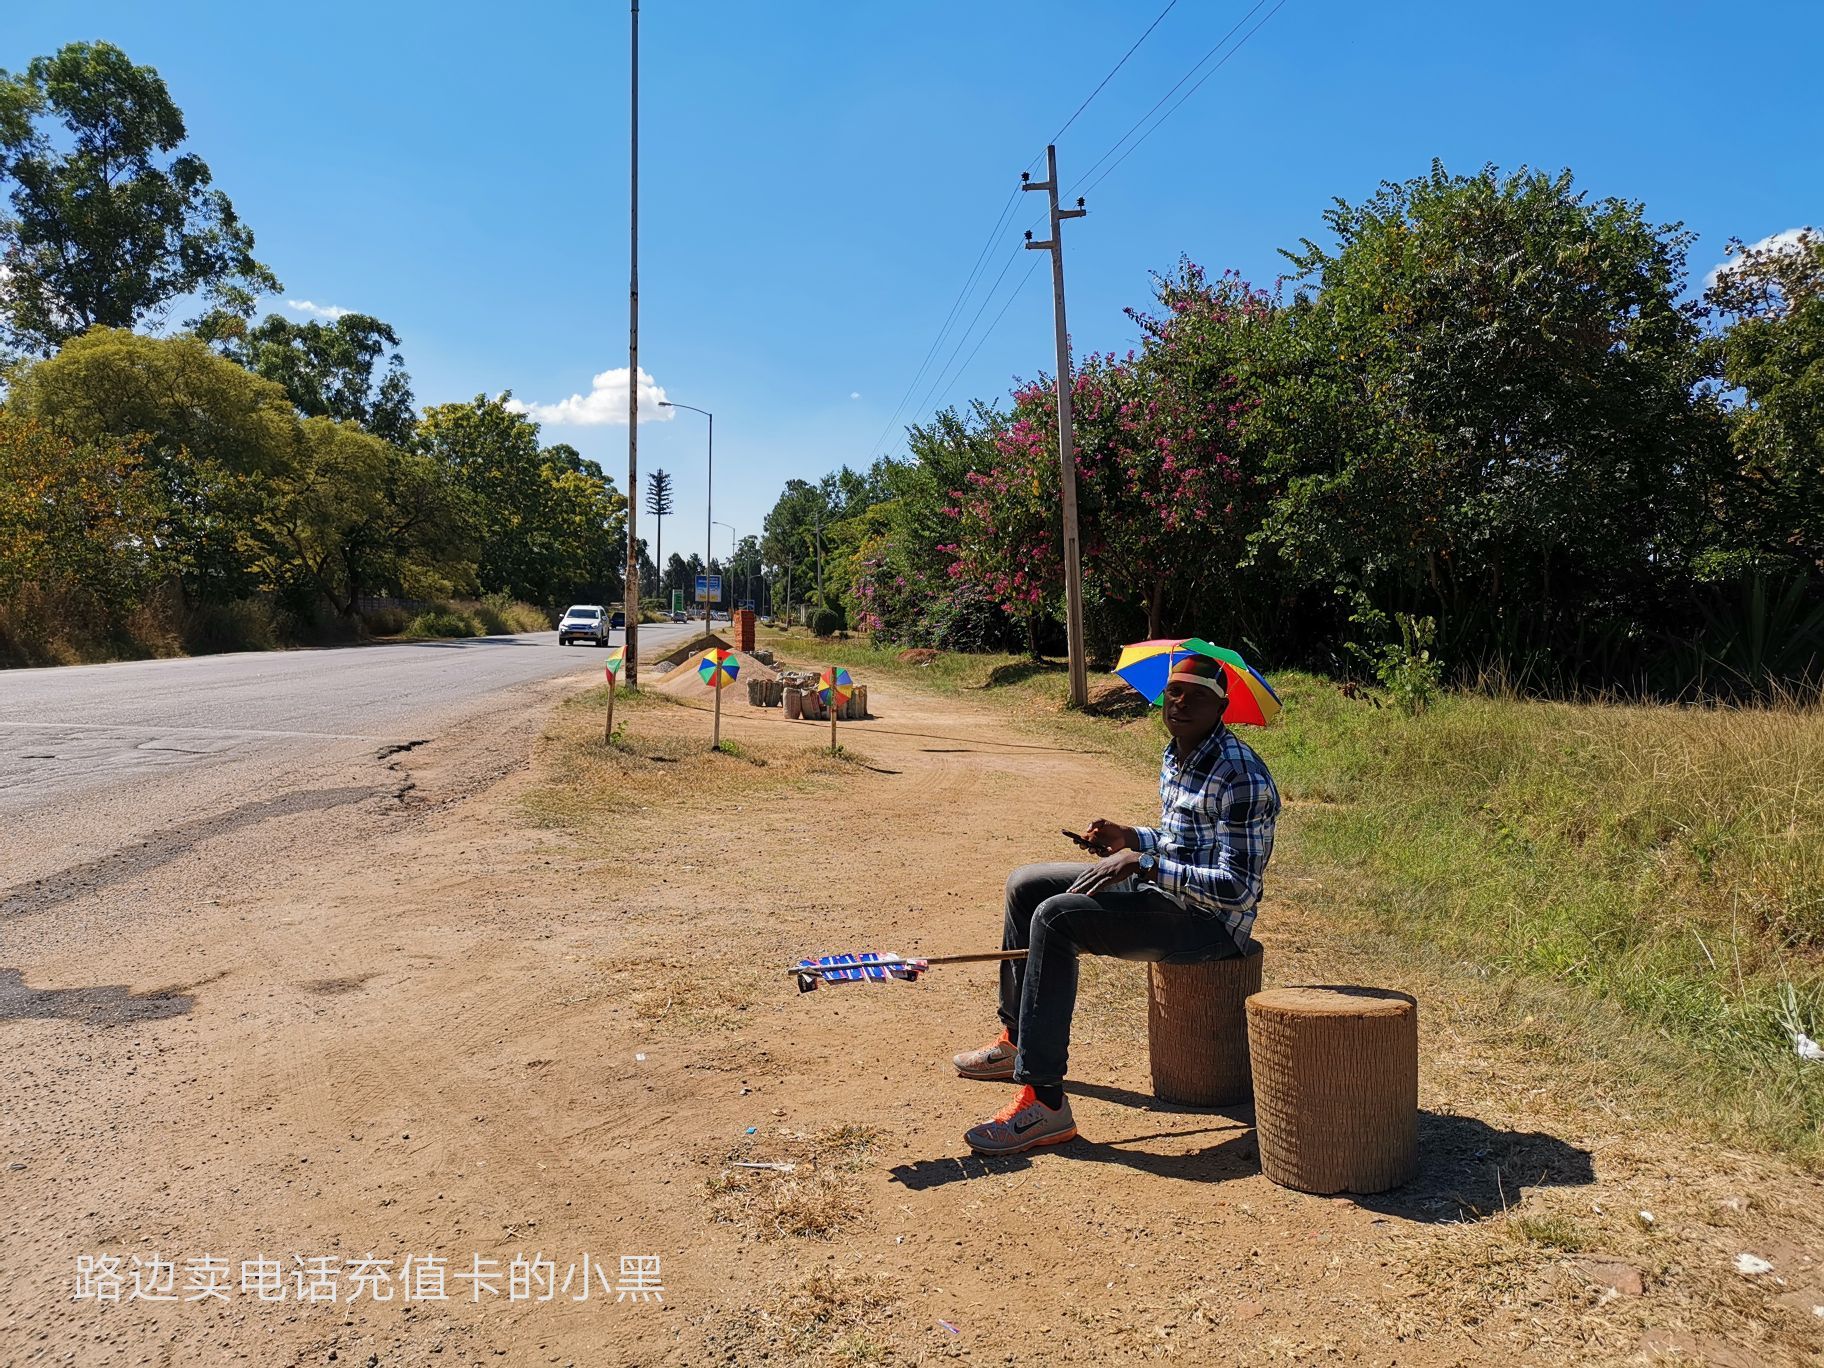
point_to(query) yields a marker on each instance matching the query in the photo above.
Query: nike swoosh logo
(1019, 1129)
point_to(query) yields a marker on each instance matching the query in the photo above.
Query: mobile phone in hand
(1083, 841)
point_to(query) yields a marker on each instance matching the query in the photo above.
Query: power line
(944, 328)
(1187, 95)
(964, 339)
(975, 271)
(1220, 44)
(1197, 66)
(1017, 291)
(1106, 79)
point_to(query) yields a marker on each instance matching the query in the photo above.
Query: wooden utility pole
(630, 634)
(1067, 456)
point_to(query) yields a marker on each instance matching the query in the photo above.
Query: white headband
(1215, 686)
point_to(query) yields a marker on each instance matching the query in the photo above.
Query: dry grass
(660, 756)
(829, 1317)
(1560, 1255)
(818, 1196)
(671, 994)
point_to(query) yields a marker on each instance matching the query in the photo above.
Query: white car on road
(583, 622)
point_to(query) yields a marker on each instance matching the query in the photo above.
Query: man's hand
(1108, 837)
(1110, 870)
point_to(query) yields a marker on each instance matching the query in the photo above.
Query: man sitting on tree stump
(1179, 893)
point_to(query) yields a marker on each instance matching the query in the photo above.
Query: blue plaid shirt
(1215, 833)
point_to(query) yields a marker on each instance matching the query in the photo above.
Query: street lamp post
(709, 476)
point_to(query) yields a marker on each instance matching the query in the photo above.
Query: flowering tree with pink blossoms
(1007, 532)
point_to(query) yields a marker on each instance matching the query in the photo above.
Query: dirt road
(480, 1019)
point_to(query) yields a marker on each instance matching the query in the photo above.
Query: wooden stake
(608, 732)
(834, 705)
(717, 743)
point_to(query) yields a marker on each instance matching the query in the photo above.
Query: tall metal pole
(709, 552)
(631, 633)
(1067, 456)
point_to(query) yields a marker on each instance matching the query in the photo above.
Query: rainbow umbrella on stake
(718, 668)
(835, 687)
(1147, 666)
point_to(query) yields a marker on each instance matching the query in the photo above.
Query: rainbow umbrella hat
(1147, 665)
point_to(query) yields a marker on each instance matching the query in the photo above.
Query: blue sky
(818, 179)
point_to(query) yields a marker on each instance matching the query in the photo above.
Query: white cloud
(854, 394)
(330, 311)
(604, 405)
(1784, 242)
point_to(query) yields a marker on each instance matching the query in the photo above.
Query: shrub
(247, 624)
(1406, 668)
(502, 615)
(387, 621)
(826, 622)
(444, 622)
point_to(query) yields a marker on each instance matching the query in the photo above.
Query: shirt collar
(1211, 742)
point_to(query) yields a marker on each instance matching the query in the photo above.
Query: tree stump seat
(1197, 1029)
(1336, 1087)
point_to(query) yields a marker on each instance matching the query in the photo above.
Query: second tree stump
(1197, 1028)
(1336, 1087)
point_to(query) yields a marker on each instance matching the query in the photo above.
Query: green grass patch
(1554, 1231)
(1668, 860)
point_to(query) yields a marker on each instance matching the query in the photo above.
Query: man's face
(1192, 711)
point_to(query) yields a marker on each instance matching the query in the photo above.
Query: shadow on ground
(1117, 700)
(109, 1004)
(1018, 671)
(1468, 1169)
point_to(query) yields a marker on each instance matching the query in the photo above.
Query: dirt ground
(441, 1026)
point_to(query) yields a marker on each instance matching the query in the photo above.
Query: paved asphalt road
(67, 733)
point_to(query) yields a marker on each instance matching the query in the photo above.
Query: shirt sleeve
(1234, 836)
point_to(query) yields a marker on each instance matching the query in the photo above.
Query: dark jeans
(1039, 994)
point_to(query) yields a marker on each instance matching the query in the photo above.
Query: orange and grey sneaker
(1023, 1124)
(994, 1062)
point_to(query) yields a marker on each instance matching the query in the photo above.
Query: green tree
(546, 522)
(658, 505)
(76, 516)
(354, 515)
(792, 535)
(216, 438)
(342, 369)
(1772, 353)
(106, 227)
(1489, 415)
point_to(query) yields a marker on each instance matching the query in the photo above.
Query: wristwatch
(1149, 865)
